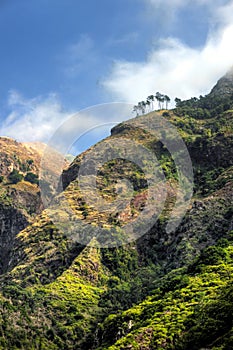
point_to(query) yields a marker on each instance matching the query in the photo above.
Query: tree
(167, 100)
(142, 106)
(151, 98)
(162, 99)
(136, 110)
(177, 101)
(148, 104)
(158, 98)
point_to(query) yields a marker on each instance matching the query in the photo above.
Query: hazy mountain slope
(224, 85)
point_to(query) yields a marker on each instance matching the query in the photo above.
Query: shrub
(15, 177)
(166, 114)
(32, 178)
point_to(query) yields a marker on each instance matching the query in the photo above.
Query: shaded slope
(19, 200)
(190, 309)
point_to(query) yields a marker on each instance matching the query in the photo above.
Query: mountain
(224, 85)
(165, 290)
(20, 200)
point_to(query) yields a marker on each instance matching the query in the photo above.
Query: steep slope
(149, 294)
(19, 200)
(191, 308)
(224, 85)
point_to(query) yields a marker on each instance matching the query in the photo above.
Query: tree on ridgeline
(158, 97)
(148, 105)
(151, 98)
(177, 101)
(141, 106)
(162, 99)
(136, 110)
(167, 100)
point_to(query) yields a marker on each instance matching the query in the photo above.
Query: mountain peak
(224, 85)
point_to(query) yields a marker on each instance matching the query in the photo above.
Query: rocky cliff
(19, 200)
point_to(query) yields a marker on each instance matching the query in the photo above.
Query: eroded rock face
(12, 222)
(19, 202)
(18, 207)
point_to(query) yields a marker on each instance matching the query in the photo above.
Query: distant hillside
(20, 198)
(39, 147)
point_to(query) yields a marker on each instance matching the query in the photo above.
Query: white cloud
(223, 14)
(32, 119)
(166, 10)
(175, 68)
(173, 3)
(44, 119)
(181, 3)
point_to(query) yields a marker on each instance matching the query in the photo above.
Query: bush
(15, 177)
(32, 178)
(166, 114)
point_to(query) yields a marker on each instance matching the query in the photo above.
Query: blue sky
(58, 57)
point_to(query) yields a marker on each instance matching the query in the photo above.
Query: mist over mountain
(224, 85)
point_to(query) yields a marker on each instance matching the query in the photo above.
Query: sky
(60, 57)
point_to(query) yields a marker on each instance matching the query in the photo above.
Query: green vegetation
(15, 176)
(31, 177)
(166, 290)
(188, 310)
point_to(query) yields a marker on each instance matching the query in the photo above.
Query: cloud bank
(43, 119)
(175, 68)
(32, 119)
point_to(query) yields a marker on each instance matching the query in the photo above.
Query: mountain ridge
(163, 291)
(224, 85)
